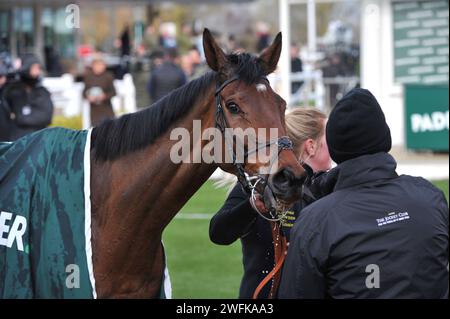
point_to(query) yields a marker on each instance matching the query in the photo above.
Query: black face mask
(28, 80)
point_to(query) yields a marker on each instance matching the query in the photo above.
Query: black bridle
(283, 143)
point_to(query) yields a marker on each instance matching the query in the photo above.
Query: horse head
(250, 116)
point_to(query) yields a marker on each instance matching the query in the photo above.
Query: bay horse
(136, 189)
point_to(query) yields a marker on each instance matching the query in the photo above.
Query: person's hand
(101, 98)
(91, 99)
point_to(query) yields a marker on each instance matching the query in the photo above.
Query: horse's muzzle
(285, 186)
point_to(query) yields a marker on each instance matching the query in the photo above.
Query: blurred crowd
(167, 58)
(176, 58)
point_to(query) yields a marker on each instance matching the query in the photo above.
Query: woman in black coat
(238, 220)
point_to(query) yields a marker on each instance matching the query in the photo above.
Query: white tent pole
(311, 20)
(285, 59)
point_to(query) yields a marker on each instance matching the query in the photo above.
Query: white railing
(312, 89)
(316, 89)
(67, 97)
(311, 92)
(66, 94)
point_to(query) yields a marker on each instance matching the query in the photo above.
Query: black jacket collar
(363, 169)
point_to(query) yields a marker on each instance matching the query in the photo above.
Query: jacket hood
(27, 61)
(365, 169)
(360, 170)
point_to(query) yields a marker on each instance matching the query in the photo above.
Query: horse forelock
(247, 67)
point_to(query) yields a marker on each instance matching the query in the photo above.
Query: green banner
(426, 110)
(420, 30)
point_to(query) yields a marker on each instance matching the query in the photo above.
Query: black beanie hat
(28, 60)
(357, 126)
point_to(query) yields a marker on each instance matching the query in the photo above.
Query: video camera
(7, 67)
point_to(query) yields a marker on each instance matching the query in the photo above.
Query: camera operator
(29, 102)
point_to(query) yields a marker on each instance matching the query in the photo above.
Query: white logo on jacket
(392, 217)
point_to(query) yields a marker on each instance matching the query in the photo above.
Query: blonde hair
(303, 124)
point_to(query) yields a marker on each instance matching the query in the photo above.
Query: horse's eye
(233, 108)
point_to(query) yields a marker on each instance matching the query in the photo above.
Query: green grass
(198, 268)
(443, 185)
(207, 200)
(74, 122)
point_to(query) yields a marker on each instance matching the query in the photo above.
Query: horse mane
(131, 132)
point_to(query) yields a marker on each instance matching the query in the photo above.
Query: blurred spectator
(168, 35)
(125, 46)
(332, 68)
(151, 41)
(98, 90)
(157, 58)
(125, 51)
(191, 61)
(52, 62)
(262, 33)
(184, 39)
(29, 101)
(5, 113)
(166, 77)
(296, 66)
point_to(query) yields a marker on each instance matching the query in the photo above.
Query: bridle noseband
(249, 183)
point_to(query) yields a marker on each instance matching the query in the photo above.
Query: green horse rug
(45, 217)
(45, 222)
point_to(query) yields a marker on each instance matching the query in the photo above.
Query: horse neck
(136, 196)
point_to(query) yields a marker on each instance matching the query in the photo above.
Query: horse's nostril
(285, 185)
(283, 179)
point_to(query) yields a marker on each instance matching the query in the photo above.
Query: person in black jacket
(238, 220)
(28, 100)
(296, 67)
(378, 234)
(166, 77)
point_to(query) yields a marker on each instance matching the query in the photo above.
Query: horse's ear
(215, 57)
(270, 55)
